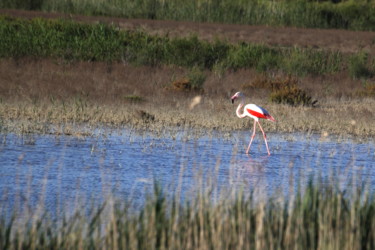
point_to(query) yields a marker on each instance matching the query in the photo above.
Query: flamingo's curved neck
(238, 111)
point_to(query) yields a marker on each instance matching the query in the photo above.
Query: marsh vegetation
(338, 14)
(316, 218)
(51, 96)
(135, 78)
(68, 79)
(101, 42)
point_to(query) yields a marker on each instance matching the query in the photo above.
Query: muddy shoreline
(331, 118)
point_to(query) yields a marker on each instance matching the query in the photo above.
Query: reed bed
(317, 217)
(300, 13)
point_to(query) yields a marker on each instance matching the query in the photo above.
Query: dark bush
(358, 66)
(292, 96)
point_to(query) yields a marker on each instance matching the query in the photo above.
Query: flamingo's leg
(265, 139)
(252, 138)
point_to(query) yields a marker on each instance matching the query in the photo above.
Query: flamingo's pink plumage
(255, 112)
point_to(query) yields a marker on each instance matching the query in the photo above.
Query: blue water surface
(59, 171)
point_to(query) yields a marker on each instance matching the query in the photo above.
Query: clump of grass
(193, 81)
(293, 96)
(368, 91)
(283, 90)
(193, 52)
(358, 66)
(286, 91)
(317, 217)
(271, 83)
(145, 116)
(196, 78)
(133, 98)
(247, 55)
(302, 62)
(181, 85)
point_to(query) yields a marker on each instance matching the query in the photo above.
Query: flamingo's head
(237, 95)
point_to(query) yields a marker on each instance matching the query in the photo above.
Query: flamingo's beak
(233, 98)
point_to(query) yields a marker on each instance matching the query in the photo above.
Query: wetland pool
(60, 170)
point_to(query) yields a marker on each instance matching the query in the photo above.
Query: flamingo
(255, 112)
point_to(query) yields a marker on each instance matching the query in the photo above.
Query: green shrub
(186, 52)
(246, 55)
(22, 4)
(268, 61)
(197, 78)
(358, 66)
(308, 61)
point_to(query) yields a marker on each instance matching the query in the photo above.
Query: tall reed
(318, 217)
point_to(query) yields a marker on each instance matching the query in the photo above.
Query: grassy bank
(99, 42)
(52, 96)
(345, 14)
(316, 218)
(61, 73)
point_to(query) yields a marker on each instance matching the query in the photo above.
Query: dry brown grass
(53, 96)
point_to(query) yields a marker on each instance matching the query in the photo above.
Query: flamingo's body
(253, 111)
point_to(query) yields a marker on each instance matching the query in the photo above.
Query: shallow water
(57, 171)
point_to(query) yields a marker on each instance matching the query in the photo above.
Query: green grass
(360, 66)
(345, 14)
(100, 42)
(316, 218)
